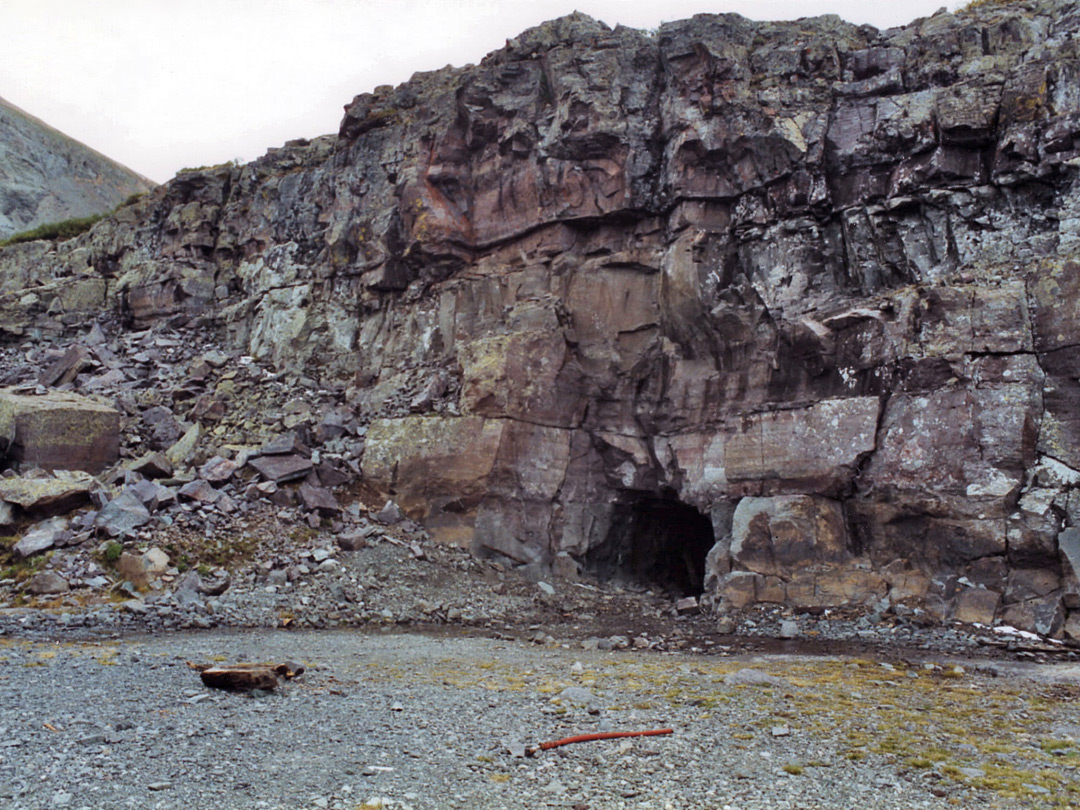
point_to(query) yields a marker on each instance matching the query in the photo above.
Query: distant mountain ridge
(46, 176)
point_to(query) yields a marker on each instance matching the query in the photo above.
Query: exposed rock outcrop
(45, 176)
(804, 294)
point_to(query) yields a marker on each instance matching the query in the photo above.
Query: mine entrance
(657, 541)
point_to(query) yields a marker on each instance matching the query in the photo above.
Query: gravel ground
(393, 719)
(429, 674)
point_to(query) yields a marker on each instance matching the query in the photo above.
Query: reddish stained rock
(199, 490)
(240, 677)
(218, 470)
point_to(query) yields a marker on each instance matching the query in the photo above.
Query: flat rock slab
(67, 367)
(60, 431)
(40, 538)
(44, 497)
(281, 468)
(218, 469)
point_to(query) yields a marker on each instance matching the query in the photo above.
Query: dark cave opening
(657, 541)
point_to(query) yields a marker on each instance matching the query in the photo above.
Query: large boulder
(44, 497)
(59, 430)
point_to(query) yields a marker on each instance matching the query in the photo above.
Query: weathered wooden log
(247, 676)
(240, 677)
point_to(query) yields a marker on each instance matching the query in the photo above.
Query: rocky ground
(428, 671)
(444, 669)
(445, 720)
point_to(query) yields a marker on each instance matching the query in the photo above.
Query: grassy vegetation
(227, 164)
(986, 4)
(17, 568)
(206, 553)
(995, 738)
(65, 229)
(55, 231)
(112, 552)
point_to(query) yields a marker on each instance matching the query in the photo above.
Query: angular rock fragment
(199, 490)
(41, 538)
(389, 515)
(123, 515)
(66, 367)
(286, 444)
(152, 494)
(48, 583)
(218, 470)
(687, 606)
(182, 449)
(140, 569)
(215, 358)
(318, 499)
(218, 582)
(163, 427)
(188, 589)
(154, 464)
(330, 476)
(331, 427)
(281, 468)
(208, 408)
(977, 606)
(102, 382)
(352, 541)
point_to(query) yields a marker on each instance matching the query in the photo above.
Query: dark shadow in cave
(654, 540)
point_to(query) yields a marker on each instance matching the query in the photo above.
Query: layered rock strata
(813, 281)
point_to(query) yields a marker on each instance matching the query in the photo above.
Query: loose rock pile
(180, 436)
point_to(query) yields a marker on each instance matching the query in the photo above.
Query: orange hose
(604, 735)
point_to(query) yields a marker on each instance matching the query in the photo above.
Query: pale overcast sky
(163, 84)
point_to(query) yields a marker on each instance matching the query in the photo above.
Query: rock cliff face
(784, 311)
(45, 176)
